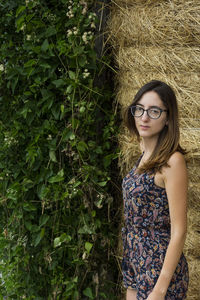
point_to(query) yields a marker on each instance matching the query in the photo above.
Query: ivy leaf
(57, 242)
(82, 146)
(88, 292)
(45, 45)
(52, 155)
(30, 63)
(59, 177)
(88, 246)
(102, 183)
(29, 206)
(61, 239)
(20, 10)
(72, 75)
(51, 30)
(82, 60)
(20, 23)
(43, 220)
(86, 230)
(58, 83)
(39, 237)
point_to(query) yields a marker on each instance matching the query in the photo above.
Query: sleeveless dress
(146, 236)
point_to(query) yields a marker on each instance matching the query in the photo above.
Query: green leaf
(72, 75)
(67, 134)
(20, 10)
(62, 108)
(14, 84)
(39, 237)
(51, 30)
(59, 177)
(30, 63)
(69, 89)
(52, 155)
(45, 45)
(58, 82)
(78, 50)
(65, 238)
(102, 183)
(61, 239)
(82, 109)
(88, 292)
(88, 246)
(69, 286)
(57, 242)
(31, 227)
(19, 23)
(56, 111)
(82, 146)
(86, 230)
(43, 220)
(82, 60)
(29, 207)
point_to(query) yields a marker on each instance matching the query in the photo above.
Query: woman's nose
(145, 116)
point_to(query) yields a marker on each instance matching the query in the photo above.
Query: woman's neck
(148, 146)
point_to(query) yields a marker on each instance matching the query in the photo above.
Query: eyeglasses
(153, 112)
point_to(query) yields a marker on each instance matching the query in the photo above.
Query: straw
(160, 40)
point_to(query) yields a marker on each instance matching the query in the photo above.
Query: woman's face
(146, 126)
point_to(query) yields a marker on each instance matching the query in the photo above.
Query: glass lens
(137, 111)
(154, 113)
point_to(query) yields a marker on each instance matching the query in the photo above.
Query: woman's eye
(138, 108)
(155, 111)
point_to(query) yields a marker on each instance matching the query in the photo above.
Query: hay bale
(194, 267)
(154, 39)
(156, 23)
(192, 244)
(186, 90)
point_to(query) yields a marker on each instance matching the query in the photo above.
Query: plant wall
(58, 215)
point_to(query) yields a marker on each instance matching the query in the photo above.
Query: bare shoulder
(177, 159)
(177, 166)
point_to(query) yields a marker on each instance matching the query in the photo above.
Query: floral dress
(146, 236)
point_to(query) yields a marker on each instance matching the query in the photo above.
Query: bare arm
(175, 179)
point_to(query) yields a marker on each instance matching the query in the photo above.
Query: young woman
(155, 200)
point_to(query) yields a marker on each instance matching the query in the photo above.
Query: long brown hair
(168, 140)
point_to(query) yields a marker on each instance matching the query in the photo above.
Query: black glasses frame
(147, 110)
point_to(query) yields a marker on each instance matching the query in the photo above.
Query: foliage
(58, 217)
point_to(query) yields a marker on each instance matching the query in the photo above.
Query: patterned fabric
(146, 237)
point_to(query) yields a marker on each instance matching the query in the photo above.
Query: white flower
(84, 37)
(28, 37)
(84, 255)
(69, 32)
(1, 67)
(49, 137)
(93, 25)
(86, 73)
(84, 11)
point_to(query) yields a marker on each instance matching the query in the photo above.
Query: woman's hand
(154, 295)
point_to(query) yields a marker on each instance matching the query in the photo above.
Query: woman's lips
(144, 127)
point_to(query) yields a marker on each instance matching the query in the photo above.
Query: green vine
(57, 154)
